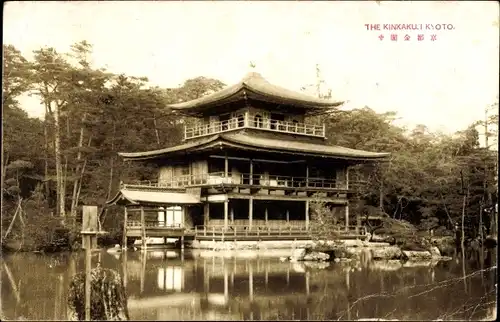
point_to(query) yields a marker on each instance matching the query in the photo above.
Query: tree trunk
(77, 197)
(156, 131)
(59, 174)
(74, 201)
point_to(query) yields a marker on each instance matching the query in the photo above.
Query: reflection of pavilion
(246, 279)
(207, 286)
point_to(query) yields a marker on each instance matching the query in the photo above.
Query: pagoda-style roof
(254, 87)
(257, 143)
(137, 197)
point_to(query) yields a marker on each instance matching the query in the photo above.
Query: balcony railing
(254, 122)
(244, 179)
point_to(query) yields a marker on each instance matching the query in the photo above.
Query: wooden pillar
(307, 175)
(347, 177)
(347, 217)
(251, 171)
(250, 212)
(226, 206)
(307, 214)
(125, 219)
(266, 215)
(287, 216)
(231, 212)
(143, 230)
(206, 214)
(226, 166)
(88, 277)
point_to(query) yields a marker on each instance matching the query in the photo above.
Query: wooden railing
(218, 231)
(152, 224)
(261, 180)
(235, 230)
(255, 122)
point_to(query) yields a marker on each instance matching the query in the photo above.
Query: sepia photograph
(249, 160)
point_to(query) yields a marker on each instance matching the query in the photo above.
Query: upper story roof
(258, 143)
(253, 86)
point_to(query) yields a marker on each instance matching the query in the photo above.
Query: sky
(444, 83)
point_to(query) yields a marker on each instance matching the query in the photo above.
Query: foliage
(325, 220)
(108, 300)
(71, 155)
(427, 174)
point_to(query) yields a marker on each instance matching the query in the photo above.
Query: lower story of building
(232, 220)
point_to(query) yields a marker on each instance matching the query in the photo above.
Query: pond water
(170, 285)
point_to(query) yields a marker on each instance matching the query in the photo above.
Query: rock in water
(316, 256)
(417, 255)
(435, 253)
(108, 296)
(390, 252)
(298, 254)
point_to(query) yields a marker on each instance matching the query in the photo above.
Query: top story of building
(257, 104)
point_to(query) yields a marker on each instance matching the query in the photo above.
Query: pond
(170, 285)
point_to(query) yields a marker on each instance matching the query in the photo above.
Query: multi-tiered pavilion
(249, 167)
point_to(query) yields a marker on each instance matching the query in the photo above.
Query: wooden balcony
(244, 232)
(235, 231)
(251, 181)
(254, 122)
(156, 228)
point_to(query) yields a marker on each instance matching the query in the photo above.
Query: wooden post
(307, 214)
(125, 219)
(226, 166)
(143, 230)
(265, 215)
(89, 230)
(206, 214)
(347, 217)
(88, 276)
(251, 172)
(347, 177)
(250, 213)
(307, 175)
(226, 206)
(231, 211)
(287, 216)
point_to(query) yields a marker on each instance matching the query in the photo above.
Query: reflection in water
(170, 278)
(169, 285)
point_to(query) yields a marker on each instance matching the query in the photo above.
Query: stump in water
(108, 299)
